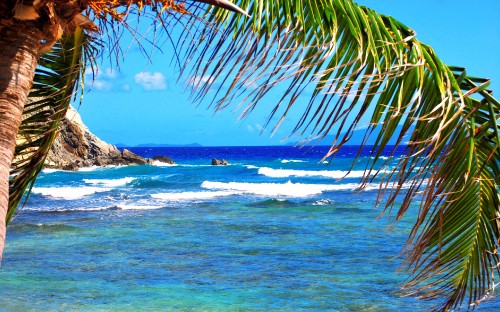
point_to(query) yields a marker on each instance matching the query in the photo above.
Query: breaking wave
(109, 182)
(287, 189)
(285, 161)
(68, 192)
(286, 173)
(187, 196)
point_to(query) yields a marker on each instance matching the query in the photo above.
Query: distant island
(357, 138)
(164, 145)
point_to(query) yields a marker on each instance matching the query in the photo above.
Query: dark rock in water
(70, 167)
(77, 147)
(164, 159)
(216, 162)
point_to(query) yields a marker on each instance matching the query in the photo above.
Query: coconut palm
(340, 63)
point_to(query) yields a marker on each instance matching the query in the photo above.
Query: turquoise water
(273, 231)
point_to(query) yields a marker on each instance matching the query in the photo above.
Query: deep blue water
(273, 231)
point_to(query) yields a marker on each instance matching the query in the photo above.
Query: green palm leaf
(55, 84)
(342, 64)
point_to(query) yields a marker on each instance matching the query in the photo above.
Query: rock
(164, 159)
(77, 147)
(216, 162)
(70, 167)
(133, 158)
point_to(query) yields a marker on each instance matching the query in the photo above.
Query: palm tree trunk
(18, 59)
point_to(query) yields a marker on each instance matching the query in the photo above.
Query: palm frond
(458, 228)
(55, 84)
(342, 64)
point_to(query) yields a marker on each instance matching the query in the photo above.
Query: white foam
(68, 192)
(48, 170)
(88, 169)
(286, 173)
(109, 182)
(162, 164)
(277, 190)
(94, 168)
(251, 167)
(284, 161)
(68, 209)
(322, 202)
(380, 157)
(287, 189)
(184, 196)
(393, 185)
(290, 189)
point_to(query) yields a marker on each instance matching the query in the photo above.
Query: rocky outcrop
(77, 147)
(216, 162)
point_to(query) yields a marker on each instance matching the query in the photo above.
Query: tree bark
(19, 45)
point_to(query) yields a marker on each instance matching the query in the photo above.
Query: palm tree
(340, 62)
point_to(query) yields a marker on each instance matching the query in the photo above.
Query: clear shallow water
(274, 231)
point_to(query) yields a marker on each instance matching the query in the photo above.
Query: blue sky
(142, 102)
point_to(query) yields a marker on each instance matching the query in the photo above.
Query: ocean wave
(68, 192)
(163, 164)
(114, 207)
(322, 202)
(292, 190)
(381, 157)
(185, 196)
(138, 207)
(286, 173)
(92, 168)
(285, 161)
(392, 185)
(273, 203)
(49, 170)
(65, 209)
(287, 189)
(192, 165)
(152, 182)
(251, 167)
(109, 182)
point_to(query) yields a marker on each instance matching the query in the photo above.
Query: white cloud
(103, 79)
(151, 81)
(101, 85)
(108, 73)
(105, 74)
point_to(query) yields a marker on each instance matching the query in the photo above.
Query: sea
(277, 229)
